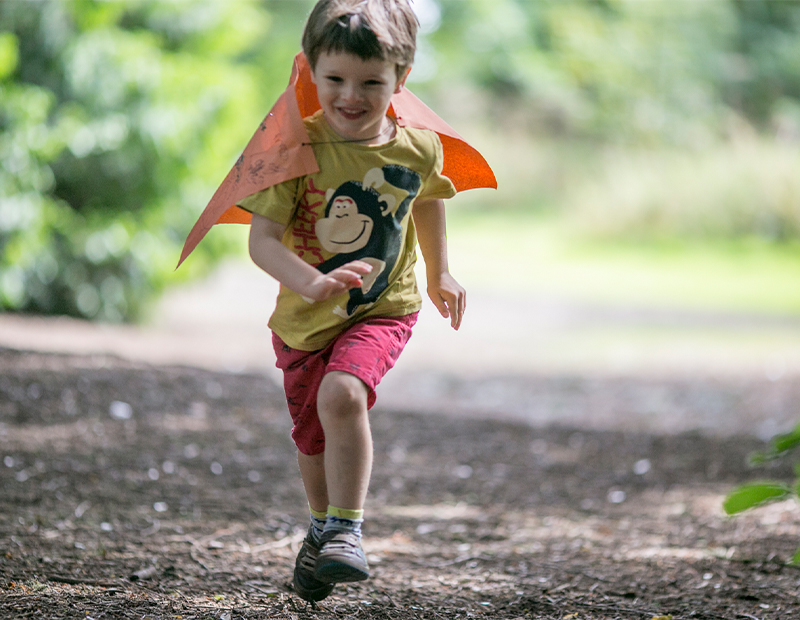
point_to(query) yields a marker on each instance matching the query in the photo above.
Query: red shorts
(367, 350)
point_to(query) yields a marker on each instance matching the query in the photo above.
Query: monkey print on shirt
(363, 221)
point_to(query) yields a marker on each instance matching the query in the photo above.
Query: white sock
(318, 521)
(344, 520)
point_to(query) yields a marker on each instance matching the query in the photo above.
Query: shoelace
(344, 542)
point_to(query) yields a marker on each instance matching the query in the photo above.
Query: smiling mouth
(354, 239)
(351, 114)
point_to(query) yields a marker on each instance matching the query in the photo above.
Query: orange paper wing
(279, 151)
(463, 164)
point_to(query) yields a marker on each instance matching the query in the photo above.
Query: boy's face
(355, 95)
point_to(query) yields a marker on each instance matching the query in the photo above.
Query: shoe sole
(315, 595)
(333, 571)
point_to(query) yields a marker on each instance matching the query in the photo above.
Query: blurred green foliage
(641, 121)
(119, 119)
(653, 72)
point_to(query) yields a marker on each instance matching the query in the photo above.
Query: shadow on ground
(138, 491)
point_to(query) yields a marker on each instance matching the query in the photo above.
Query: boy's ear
(402, 81)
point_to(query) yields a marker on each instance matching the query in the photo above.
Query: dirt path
(550, 461)
(129, 490)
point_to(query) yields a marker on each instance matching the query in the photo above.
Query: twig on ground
(77, 581)
(262, 590)
(286, 541)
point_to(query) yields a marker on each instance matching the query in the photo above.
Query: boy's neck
(385, 135)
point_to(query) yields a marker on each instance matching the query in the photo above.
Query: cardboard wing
(279, 151)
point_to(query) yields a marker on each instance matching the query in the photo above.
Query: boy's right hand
(341, 279)
(269, 253)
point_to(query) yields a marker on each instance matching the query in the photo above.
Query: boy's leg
(341, 395)
(342, 408)
(343, 412)
(312, 471)
(359, 358)
(303, 372)
(307, 586)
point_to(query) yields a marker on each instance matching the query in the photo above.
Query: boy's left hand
(449, 297)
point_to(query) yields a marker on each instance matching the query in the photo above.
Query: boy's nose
(351, 92)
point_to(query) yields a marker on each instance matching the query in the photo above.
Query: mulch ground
(138, 492)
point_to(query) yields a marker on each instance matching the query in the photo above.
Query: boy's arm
(293, 272)
(447, 295)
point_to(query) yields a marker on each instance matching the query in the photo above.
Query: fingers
(451, 304)
(462, 308)
(441, 305)
(358, 266)
(457, 305)
(349, 275)
(343, 278)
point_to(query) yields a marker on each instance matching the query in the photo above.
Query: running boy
(342, 244)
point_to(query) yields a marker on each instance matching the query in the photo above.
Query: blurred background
(647, 221)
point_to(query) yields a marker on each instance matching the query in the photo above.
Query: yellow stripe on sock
(345, 513)
(319, 514)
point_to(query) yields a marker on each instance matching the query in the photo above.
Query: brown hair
(370, 29)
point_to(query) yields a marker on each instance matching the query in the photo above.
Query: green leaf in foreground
(779, 446)
(788, 441)
(754, 494)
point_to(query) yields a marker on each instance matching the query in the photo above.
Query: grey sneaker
(341, 558)
(307, 586)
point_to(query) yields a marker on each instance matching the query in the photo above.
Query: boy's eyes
(338, 80)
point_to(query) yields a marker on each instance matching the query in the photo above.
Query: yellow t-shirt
(357, 206)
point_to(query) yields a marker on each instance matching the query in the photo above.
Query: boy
(342, 244)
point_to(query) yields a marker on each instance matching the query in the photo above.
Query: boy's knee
(341, 394)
